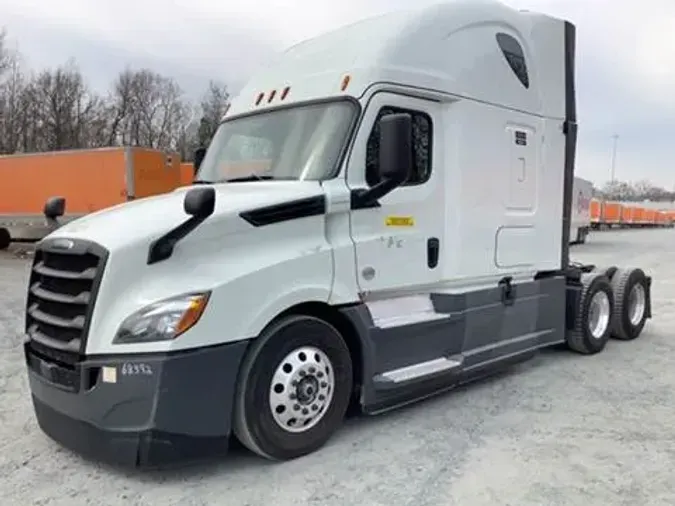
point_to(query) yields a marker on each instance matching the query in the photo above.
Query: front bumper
(138, 410)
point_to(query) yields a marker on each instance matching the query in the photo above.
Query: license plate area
(60, 375)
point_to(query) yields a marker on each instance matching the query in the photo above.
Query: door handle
(433, 252)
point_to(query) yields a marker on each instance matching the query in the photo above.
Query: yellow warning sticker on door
(400, 221)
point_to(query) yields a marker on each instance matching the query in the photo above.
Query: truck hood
(151, 217)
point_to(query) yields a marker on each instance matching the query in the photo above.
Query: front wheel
(294, 388)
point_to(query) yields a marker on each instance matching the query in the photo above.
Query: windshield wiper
(201, 181)
(250, 177)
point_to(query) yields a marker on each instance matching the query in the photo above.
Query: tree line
(54, 109)
(638, 191)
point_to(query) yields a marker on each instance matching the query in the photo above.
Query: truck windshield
(297, 143)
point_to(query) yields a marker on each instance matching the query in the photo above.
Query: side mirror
(395, 153)
(55, 207)
(200, 202)
(200, 153)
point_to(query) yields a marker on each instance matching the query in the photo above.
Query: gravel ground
(561, 429)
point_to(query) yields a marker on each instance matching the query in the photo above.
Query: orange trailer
(596, 213)
(627, 213)
(639, 216)
(187, 173)
(89, 180)
(649, 217)
(611, 213)
(660, 219)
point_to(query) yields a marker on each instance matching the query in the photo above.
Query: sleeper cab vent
(513, 52)
(301, 208)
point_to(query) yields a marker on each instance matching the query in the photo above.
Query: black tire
(254, 423)
(623, 282)
(581, 338)
(5, 239)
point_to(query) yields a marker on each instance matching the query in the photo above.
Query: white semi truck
(404, 228)
(582, 194)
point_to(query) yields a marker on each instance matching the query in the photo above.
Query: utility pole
(615, 139)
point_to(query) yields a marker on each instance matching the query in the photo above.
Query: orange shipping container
(596, 210)
(650, 216)
(89, 180)
(627, 215)
(187, 173)
(661, 218)
(639, 215)
(611, 212)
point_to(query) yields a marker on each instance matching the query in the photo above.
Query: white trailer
(405, 230)
(582, 194)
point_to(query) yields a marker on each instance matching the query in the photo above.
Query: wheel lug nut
(314, 407)
(303, 373)
(322, 397)
(324, 384)
(319, 374)
(305, 411)
(296, 407)
(312, 370)
(294, 383)
(292, 396)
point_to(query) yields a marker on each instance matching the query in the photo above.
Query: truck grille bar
(64, 281)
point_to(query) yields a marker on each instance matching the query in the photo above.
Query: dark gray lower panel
(483, 331)
(163, 408)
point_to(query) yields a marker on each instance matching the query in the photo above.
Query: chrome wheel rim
(636, 304)
(302, 389)
(598, 314)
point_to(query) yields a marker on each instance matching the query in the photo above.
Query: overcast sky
(625, 52)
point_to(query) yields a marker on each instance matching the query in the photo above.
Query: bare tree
(12, 105)
(65, 108)
(3, 51)
(210, 111)
(214, 105)
(636, 191)
(147, 110)
(55, 109)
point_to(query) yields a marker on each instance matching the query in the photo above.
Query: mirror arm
(373, 194)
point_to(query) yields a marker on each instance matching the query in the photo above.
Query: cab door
(399, 241)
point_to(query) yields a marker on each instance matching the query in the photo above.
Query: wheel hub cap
(636, 304)
(598, 314)
(301, 389)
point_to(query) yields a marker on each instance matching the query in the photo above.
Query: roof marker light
(285, 92)
(259, 99)
(271, 97)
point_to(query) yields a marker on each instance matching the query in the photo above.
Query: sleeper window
(421, 146)
(515, 57)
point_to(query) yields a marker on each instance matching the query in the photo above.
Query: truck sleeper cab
(382, 215)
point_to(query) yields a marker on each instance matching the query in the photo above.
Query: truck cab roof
(449, 48)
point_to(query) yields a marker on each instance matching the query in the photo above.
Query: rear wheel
(630, 309)
(5, 239)
(294, 388)
(592, 325)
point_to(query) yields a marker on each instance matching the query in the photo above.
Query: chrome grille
(62, 291)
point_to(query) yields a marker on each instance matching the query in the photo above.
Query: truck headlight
(163, 320)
